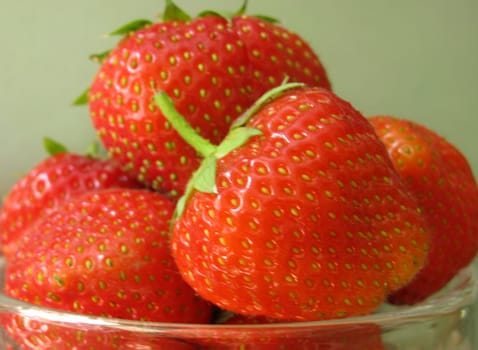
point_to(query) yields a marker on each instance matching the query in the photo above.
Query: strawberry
(438, 174)
(105, 253)
(34, 333)
(283, 336)
(297, 215)
(189, 61)
(204, 64)
(55, 179)
(275, 52)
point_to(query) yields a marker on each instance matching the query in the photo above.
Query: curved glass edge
(461, 292)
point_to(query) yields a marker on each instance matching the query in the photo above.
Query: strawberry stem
(204, 178)
(242, 10)
(269, 95)
(181, 125)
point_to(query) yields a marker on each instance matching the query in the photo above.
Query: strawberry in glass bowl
(243, 204)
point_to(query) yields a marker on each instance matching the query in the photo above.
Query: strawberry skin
(200, 64)
(336, 337)
(212, 67)
(33, 334)
(105, 253)
(274, 53)
(440, 177)
(54, 180)
(309, 220)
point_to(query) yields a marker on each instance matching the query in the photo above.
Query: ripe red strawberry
(442, 181)
(204, 64)
(34, 333)
(102, 253)
(55, 179)
(307, 337)
(308, 220)
(189, 61)
(276, 52)
(105, 253)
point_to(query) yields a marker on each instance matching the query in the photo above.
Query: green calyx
(173, 12)
(226, 15)
(204, 178)
(81, 99)
(241, 11)
(132, 26)
(53, 147)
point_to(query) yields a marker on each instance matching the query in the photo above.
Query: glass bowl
(443, 322)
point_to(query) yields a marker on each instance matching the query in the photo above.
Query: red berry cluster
(228, 188)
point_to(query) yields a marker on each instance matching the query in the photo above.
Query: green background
(416, 59)
(413, 59)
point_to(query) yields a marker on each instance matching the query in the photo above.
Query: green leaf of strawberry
(99, 57)
(82, 99)
(174, 13)
(236, 137)
(54, 147)
(203, 179)
(131, 27)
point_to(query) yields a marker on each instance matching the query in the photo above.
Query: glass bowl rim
(462, 291)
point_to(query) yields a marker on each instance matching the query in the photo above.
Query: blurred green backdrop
(414, 59)
(409, 58)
